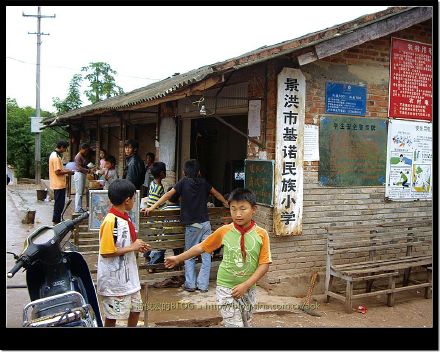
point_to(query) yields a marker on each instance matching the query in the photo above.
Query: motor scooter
(58, 279)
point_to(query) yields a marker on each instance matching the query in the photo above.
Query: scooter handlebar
(18, 265)
(80, 218)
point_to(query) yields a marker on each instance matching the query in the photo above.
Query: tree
(20, 144)
(73, 99)
(101, 82)
(21, 141)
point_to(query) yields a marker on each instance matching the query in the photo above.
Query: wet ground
(176, 307)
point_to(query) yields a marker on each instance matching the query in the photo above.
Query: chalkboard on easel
(258, 177)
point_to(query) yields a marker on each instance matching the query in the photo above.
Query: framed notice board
(352, 151)
(258, 177)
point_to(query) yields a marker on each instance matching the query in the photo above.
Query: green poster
(352, 151)
(258, 177)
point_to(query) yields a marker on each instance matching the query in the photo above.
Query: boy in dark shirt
(193, 191)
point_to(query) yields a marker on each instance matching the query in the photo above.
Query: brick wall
(296, 257)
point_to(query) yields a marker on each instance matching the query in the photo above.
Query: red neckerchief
(242, 232)
(126, 218)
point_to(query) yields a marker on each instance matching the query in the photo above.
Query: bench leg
(348, 297)
(392, 286)
(428, 289)
(144, 302)
(406, 274)
(329, 286)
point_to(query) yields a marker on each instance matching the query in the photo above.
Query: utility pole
(38, 117)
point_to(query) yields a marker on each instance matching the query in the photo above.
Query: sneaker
(188, 289)
(202, 291)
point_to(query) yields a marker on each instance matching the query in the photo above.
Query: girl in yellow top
(246, 258)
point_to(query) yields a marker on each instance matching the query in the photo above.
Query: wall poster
(311, 143)
(289, 153)
(352, 151)
(100, 205)
(410, 80)
(409, 160)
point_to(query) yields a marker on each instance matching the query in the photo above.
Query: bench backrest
(377, 242)
(167, 222)
(151, 230)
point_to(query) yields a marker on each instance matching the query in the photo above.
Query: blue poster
(345, 99)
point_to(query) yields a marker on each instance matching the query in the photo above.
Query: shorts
(235, 313)
(119, 307)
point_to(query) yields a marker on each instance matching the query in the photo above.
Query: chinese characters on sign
(345, 99)
(411, 80)
(289, 153)
(409, 160)
(352, 151)
(259, 178)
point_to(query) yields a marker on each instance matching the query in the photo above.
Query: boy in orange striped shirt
(246, 259)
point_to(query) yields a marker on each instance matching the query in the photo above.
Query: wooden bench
(364, 253)
(162, 229)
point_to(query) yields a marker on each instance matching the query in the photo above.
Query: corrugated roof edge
(171, 84)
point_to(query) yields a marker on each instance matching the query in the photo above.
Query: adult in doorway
(149, 161)
(57, 179)
(80, 175)
(134, 169)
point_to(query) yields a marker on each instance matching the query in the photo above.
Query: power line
(77, 70)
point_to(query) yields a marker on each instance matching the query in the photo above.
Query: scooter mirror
(15, 255)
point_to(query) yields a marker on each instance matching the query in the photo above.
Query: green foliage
(49, 139)
(73, 99)
(99, 76)
(21, 141)
(101, 82)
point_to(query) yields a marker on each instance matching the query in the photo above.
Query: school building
(303, 123)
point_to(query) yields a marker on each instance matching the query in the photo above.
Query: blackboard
(258, 177)
(352, 151)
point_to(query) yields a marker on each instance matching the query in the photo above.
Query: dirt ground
(176, 307)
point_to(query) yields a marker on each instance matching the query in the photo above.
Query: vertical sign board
(345, 99)
(410, 80)
(352, 151)
(289, 153)
(409, 160)
(258, 177)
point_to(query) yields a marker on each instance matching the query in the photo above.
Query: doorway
(220, 151)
